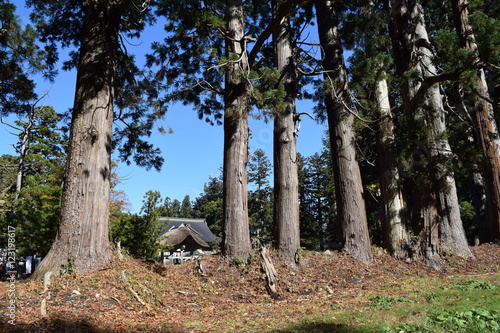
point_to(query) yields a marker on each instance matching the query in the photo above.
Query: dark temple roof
(177, 235)
(199, 226)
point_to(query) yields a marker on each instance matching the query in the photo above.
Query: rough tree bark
(436, 211)
(236, 235)
(83, 227)
(286, 234)
(351, 210)
(476, 181)
(395, 233)
(486, 128)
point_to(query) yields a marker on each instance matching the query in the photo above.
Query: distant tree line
(412, 135)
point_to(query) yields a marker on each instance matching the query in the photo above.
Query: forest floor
(212, 295)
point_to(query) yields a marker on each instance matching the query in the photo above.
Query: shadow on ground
(81, 326)
(327, 328)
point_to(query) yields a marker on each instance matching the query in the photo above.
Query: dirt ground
(210, 295)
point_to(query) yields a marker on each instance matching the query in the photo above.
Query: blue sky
(192, 153)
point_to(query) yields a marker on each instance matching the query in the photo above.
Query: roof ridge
(183, 218)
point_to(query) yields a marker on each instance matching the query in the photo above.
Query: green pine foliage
(136, 105)
(260, 199)
(318, 229)
(138, 233)
(186, 210)
(34, 210)
(208, 205)
(20, 57)
(188, 66)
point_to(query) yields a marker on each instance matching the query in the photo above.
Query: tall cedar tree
(370, 70)
(93, 27)
(355, 239)
(436, 218)
(485, 125)
(236, 235)
(286, 233)
(215, 47)
(395, 231)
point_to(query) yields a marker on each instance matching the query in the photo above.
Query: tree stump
(271, 275)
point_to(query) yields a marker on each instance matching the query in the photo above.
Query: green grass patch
(383, 301)
(474, 285)
(458, 304)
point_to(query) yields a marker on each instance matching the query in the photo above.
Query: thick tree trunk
(451, 232)
(424, 207)
(286, 235)
(485, 126)
(349, 190)
(436, 210)
(425, 217)
(395, 233)
(236, 235)
(83, 228)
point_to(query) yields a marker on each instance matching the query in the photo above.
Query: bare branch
(5, 166)
(243, 41)
(481, 96)
(429, 82)
(305, 113)
(493, 66)
(313, 73)
(284, 11)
